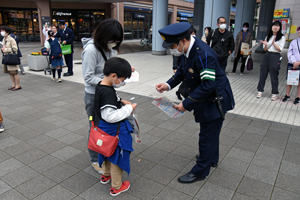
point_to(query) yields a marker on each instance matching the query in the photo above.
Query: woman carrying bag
(10, 55)
(244, 37)
(273, 45)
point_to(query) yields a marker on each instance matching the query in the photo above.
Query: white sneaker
(53, 79)
(1, 127)
(96, 167)
(241, 74)
(274, 97)
(259, 94)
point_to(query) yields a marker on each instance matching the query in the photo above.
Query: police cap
(174, 32)
(61, 22)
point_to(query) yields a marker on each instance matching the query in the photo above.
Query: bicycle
(146, 41)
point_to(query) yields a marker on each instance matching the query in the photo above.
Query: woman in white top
(273, 44)
(46, 29)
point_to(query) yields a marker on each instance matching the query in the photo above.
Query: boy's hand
(179, 107)
(161, 87)
(124, 102)
(133, 105)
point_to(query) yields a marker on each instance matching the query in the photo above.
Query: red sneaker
(125, 186)
(105, 179)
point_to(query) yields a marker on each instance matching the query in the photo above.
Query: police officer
(210, 93)
(66, 36)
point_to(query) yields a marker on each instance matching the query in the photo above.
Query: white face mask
(175, 52)
(118, 85)
(222, 26)
(206, 32)
(111, 45)
(3, 34)
(245, 29)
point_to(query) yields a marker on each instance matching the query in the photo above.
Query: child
(110, 110)
(55, 55)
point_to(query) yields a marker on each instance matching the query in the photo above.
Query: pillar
(160, 20)
(265, 20)
(44, 11)
(199, 17)
(174, 15)
(213, 9)
(245, 10)
(117, 12)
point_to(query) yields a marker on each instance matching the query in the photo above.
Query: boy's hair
(50, 33)
(6, 29)
(119, 66)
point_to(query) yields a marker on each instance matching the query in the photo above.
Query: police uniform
(205, 81)
(68, 36)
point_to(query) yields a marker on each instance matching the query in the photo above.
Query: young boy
(110, 110)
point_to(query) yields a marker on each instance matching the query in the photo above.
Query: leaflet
(166, 105)
(135, 126)
(255, 47)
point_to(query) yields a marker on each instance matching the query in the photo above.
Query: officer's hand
(65, 42)
(161, 87)
(175, 70)
(179, 107)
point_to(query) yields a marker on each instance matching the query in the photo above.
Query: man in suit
(66, 36)
(210, 93)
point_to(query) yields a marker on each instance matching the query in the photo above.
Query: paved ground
(43, 153)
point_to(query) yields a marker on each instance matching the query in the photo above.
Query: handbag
(102, 142)
(66, 49)
(44, 51)
(249, 62)
(244, 47)
(11, 59)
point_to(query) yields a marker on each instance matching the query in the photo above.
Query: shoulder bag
(11, 59)
(244, 47)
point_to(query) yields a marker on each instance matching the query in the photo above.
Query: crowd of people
(199, 66)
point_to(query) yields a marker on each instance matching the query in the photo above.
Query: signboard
(45, 20)
(286, 13)
(62, 13)
(282, 13)
(139, 16)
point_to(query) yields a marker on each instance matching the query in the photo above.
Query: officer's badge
(163, 37)
(191, 70)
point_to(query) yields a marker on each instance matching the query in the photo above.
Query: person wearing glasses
(222, 41)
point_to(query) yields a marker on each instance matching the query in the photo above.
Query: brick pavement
(43, 153)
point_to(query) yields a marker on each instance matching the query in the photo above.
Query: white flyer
(255, 47)
(136, 128)
(166, 105)
(293, 77)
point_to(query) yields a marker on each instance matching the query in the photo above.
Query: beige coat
(238, 42)
(10, 46)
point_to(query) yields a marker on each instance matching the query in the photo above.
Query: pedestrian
(273, 45)
(294, 63)
(10, 46)
(207, 84)
(66, 36)
(206, 32)
(104, 44)
(221, 41)
(45, 32)
(246, 37)
(56, 60)
(16, 38)
(1, 123)
(111, 112)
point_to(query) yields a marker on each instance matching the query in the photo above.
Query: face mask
(206, 32)
(118, 85)
(111, 45)
(3, 34)
(245, 29)
(222, 26)
(175, 52)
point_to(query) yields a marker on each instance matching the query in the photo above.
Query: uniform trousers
(270, 64)
(69, 62)
(115, 172)
(1, 118)
(89, 107)
(208, 146)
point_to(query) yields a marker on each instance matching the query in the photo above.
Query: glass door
(135, 29)
(83, 24)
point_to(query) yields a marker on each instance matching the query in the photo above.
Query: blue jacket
(67, 36)
(201, 73)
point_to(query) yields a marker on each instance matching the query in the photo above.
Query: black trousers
(69, 62)
(270, 64)
(236, 60)
(208, 146)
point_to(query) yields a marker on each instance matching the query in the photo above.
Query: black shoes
(190, 178)
(68, 74)
(1, 127)
(212, 165)
(286, 98)
(297, 100)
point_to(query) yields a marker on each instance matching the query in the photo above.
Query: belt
(272, 52)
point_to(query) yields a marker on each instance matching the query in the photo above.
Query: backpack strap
(103, 54)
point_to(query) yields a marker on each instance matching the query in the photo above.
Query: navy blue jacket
(67, 36)
(201, 73)
(17, 41)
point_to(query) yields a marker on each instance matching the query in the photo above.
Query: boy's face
(116, 81)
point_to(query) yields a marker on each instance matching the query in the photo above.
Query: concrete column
(117, 12)
(214, 9)
(160, 20)
(245, 10)
(199, 17)
(265, 20)
(174, 15)
(44, 10)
